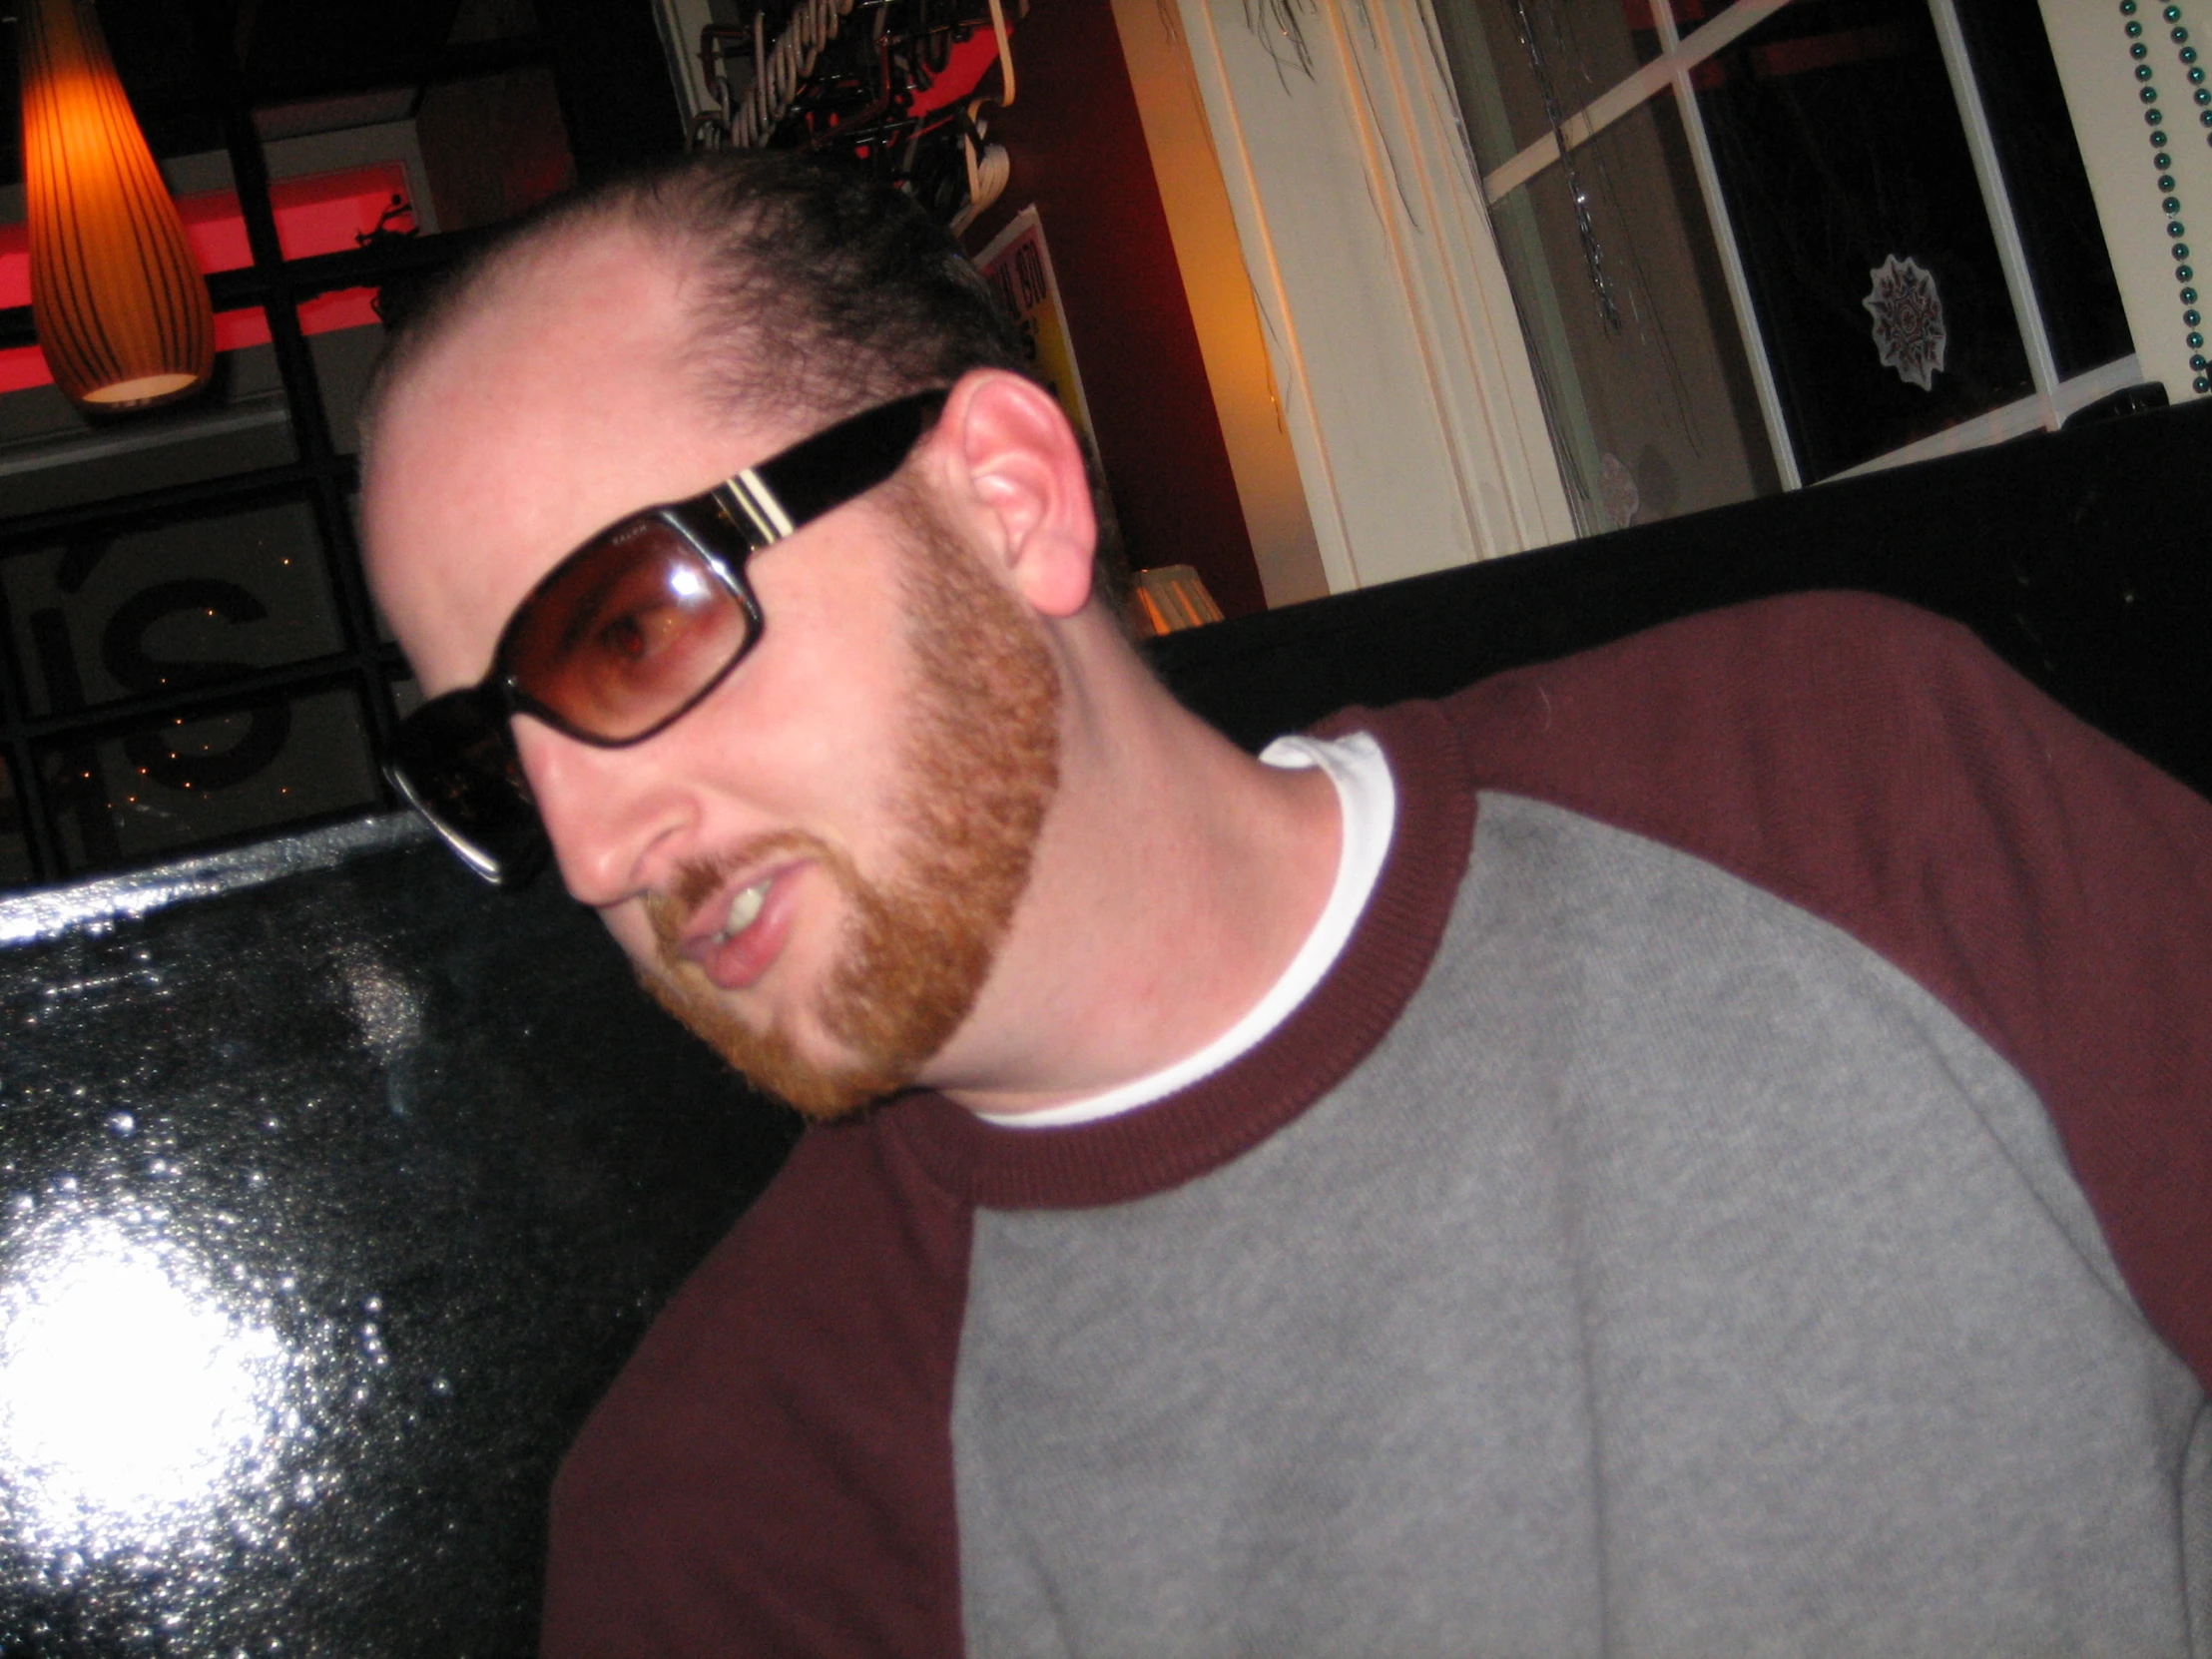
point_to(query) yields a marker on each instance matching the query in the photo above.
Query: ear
(1016, 468)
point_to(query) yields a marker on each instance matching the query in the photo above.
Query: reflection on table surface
(327, 1205)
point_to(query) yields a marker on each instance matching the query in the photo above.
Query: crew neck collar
(1226, 1113)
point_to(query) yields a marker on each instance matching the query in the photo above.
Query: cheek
(809, 726)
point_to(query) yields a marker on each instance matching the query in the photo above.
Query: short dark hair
(821, 289)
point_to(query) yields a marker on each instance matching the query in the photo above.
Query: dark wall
(617, 98)
(1078, 151)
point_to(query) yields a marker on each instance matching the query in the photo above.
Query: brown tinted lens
(626, 631)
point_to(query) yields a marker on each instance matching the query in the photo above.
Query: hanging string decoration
(1585, 224)
(2146, 90)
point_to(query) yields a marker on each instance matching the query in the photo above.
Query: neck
(1175, 880)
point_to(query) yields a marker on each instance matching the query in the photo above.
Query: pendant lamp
(117, 298)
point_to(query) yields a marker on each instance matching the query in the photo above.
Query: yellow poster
(1019, 265)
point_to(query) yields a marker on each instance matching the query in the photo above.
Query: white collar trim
(1367, 799)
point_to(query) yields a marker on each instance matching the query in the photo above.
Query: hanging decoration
(1618, 491)
(2162, 159)
(1585, 225)
(117, 298)
(905, 86)
(1907, 317)
(1278, 26)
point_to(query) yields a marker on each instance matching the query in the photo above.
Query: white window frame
(1407, 388)
(1408, 392)
(2091, 53)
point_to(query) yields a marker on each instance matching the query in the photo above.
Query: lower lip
(733, 963)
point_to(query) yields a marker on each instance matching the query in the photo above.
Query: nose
(616, 822)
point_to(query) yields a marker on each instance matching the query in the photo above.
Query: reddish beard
(979, 763)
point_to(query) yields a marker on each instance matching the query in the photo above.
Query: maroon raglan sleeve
(1882, 768)
(772, 1472)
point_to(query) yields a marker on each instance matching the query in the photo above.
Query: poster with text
(1017, 264)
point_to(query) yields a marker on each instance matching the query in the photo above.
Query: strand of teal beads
(2162, 157)
(2201, 95)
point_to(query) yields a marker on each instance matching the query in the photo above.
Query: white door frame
(1406, 386)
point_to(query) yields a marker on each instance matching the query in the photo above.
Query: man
(1697, 1148)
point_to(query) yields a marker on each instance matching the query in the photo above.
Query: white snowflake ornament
(1907, 317)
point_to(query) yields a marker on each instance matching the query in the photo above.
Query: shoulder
(1882, 768)
(776, 1458)
(1732, 687)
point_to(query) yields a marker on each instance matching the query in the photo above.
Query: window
(1761, 242)
(188, 656)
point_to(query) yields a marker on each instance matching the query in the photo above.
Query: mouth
(738, 932)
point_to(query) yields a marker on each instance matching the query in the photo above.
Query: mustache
(697, 880)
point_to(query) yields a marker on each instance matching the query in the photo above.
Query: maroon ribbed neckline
(1226, 1114)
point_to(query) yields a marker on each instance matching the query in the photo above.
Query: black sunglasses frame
(460, 746)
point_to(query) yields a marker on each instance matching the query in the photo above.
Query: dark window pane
(194, 601)
(2050, 196)
(1641, 360)
(1841, 156)
(15, 849)
(180, 783)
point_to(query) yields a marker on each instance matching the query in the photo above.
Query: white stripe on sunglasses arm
(760, 506)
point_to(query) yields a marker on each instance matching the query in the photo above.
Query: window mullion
(1679, 54)
(1671, 65)
(2020, 282)
(2011, 421)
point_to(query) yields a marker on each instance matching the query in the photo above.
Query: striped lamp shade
(118, 300)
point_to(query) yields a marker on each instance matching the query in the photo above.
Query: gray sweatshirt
(1744, 1187)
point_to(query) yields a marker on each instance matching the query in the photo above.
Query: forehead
(560, 402)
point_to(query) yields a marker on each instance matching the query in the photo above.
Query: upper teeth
(743, 910)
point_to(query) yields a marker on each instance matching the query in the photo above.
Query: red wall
(1078, 152)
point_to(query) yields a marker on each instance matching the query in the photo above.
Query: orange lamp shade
(119, 303)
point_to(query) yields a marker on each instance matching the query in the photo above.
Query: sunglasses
(627, 635)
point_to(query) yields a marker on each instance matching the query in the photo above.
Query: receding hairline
(819, 289)
(500, 272)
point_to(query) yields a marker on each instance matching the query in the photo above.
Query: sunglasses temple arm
(832, 468)
(517, 870)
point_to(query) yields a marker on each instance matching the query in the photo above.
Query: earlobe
(1020, 469)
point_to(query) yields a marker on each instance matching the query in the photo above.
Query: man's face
(815, 866)
(977, 747)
